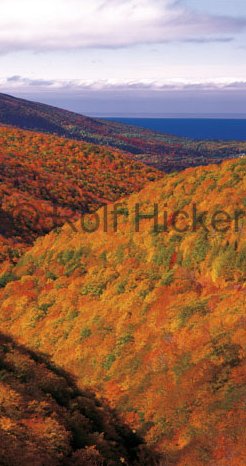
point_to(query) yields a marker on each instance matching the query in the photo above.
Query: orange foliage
(152, 321)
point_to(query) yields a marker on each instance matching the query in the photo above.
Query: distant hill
(46, 180)
(40, 117)
(151, 320)
(46, 420)
(164, 152)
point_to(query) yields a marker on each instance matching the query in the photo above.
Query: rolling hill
(152, 320)
(46, 180)
(164, 152)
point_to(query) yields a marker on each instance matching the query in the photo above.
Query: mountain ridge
(164, 152)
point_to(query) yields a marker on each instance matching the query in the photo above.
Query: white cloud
(40, 25)
(77, 86)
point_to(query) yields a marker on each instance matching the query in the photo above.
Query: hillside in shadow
(45, 420)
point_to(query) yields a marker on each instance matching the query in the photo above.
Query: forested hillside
(46, 180)
(151, 319)
(47, 421)
(162, 151)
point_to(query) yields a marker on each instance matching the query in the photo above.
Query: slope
(45, 179)
(164, 152)
(152, 320)
(46, 420)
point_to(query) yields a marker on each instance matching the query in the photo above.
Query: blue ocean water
(194, 128)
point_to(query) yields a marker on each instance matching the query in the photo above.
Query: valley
(152, 321)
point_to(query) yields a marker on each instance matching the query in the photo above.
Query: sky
(126, 57)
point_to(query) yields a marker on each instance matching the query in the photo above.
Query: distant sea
(194, 128)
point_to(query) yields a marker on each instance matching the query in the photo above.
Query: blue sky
(126, 56)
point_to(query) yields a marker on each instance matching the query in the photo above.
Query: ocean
(193, 128)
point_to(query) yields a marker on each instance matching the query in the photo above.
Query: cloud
(76, 86)
(43, 25)
(26, 82)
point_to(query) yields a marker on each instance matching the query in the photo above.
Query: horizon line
(225, 116)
